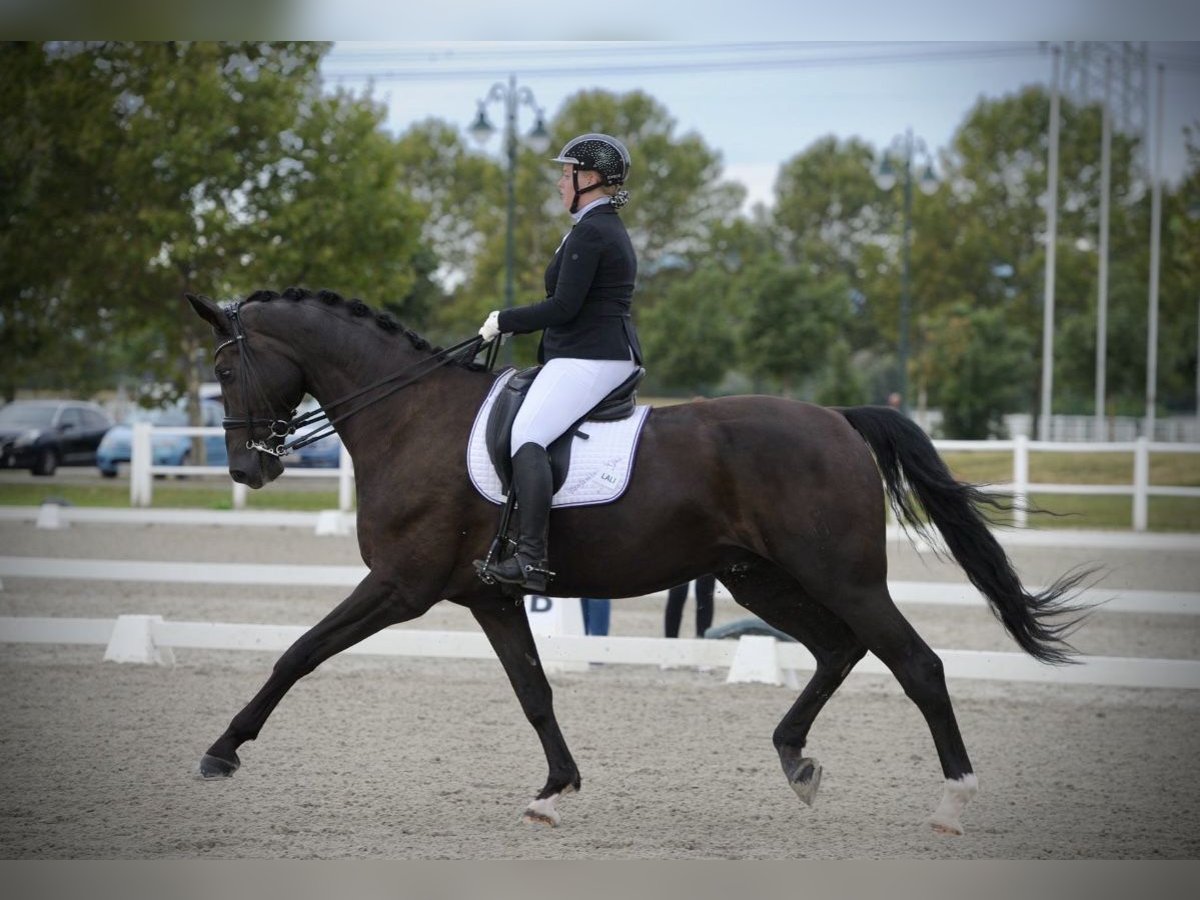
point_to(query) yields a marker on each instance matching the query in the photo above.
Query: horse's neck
(345, 358)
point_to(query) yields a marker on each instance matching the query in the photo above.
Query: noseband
(281, 428)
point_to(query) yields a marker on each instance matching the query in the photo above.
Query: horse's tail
(1039, 622)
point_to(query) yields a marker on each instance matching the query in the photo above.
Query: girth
(619, 404)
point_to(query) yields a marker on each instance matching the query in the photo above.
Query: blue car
(169, 450)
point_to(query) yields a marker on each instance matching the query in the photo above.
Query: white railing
(753, 658)
(1139, 488)
(142, 468)
(308, 575)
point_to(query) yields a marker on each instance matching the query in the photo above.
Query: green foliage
(173, 167)
(690, 333)
(978, 371)
(790, 321)
(132, 172)
(842, 383)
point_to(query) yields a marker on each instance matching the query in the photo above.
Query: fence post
(345, 480)
(1020, 480)
(141, 458)
(1141, 483)
(239, 495)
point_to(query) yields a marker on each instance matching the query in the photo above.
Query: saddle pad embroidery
(600, 466)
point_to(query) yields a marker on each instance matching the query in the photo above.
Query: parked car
(168, 449)
(325, 453)
(41, 435)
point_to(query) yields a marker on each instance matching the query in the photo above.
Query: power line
(742, 64)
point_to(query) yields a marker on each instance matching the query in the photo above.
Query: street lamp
(539, 140)
(885, 178)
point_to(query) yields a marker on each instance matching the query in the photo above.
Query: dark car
(41, 435)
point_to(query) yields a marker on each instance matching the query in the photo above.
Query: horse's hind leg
(874, 618)
(778, 599)
(507, 629)
(372, 606)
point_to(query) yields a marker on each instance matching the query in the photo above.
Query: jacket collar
(594, 205)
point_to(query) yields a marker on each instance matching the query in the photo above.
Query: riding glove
(491, 328)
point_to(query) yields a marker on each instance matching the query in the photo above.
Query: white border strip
(903, 592)
(967, 664)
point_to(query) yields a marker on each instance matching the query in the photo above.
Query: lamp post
(885, 177)
(481, 129)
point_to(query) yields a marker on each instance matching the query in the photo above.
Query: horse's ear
(209, 312)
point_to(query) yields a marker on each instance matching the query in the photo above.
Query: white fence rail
(751, 658)
(903, 592)
(1139, 489)
(142, 467)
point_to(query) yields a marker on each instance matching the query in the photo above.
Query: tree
(978, 371)
(980, 240)
(791, 320)
(842, 383)
(54, 162)
(690, 335)
(212, 168)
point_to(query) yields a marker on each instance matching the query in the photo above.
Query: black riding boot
(534, 487)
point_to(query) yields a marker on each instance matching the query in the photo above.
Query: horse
(783, 500)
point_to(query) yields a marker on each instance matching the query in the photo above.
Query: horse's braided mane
(356, 308)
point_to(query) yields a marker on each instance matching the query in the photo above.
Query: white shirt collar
(579, 215)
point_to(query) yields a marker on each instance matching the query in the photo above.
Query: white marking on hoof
(542, 812)
(947, 818)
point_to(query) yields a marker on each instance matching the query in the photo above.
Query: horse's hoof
(805, 779)
(542, 812)
(947, 818)
(946, 827)
(213, 767)
(530, 817)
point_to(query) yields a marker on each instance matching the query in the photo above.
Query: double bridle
(281, 428)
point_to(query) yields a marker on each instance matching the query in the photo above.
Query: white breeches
(564, 390)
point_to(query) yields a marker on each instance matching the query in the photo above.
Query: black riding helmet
(593, 152)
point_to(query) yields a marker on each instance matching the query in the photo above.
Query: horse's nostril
(238, 475)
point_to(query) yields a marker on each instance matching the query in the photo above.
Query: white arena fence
(1139, 490)
(903, 592)
(751, 658)
(150, 639)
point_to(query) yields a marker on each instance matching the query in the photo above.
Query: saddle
(618, 404)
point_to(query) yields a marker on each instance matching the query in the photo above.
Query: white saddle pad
(600, 465)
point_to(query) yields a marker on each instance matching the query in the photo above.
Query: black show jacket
(589, 290)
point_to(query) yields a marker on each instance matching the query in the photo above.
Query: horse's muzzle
(256, 470)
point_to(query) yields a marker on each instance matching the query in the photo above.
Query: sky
(756, 102)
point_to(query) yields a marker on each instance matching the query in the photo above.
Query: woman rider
(588, 346)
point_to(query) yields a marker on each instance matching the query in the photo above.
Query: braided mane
(356, 308)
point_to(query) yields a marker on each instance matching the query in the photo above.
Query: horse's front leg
(377, 602)
(507, 628)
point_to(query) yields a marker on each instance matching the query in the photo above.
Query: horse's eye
(224, 375)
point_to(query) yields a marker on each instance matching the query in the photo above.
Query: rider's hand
(491, 328)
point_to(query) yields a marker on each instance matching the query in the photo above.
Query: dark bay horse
(782, 499)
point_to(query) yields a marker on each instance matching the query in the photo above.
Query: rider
(588, 346)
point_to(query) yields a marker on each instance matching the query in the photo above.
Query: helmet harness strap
(575, 170)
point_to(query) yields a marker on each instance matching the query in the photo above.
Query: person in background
(677, 596)
(596, 614)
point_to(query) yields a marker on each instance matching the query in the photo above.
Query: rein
(281, 428)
